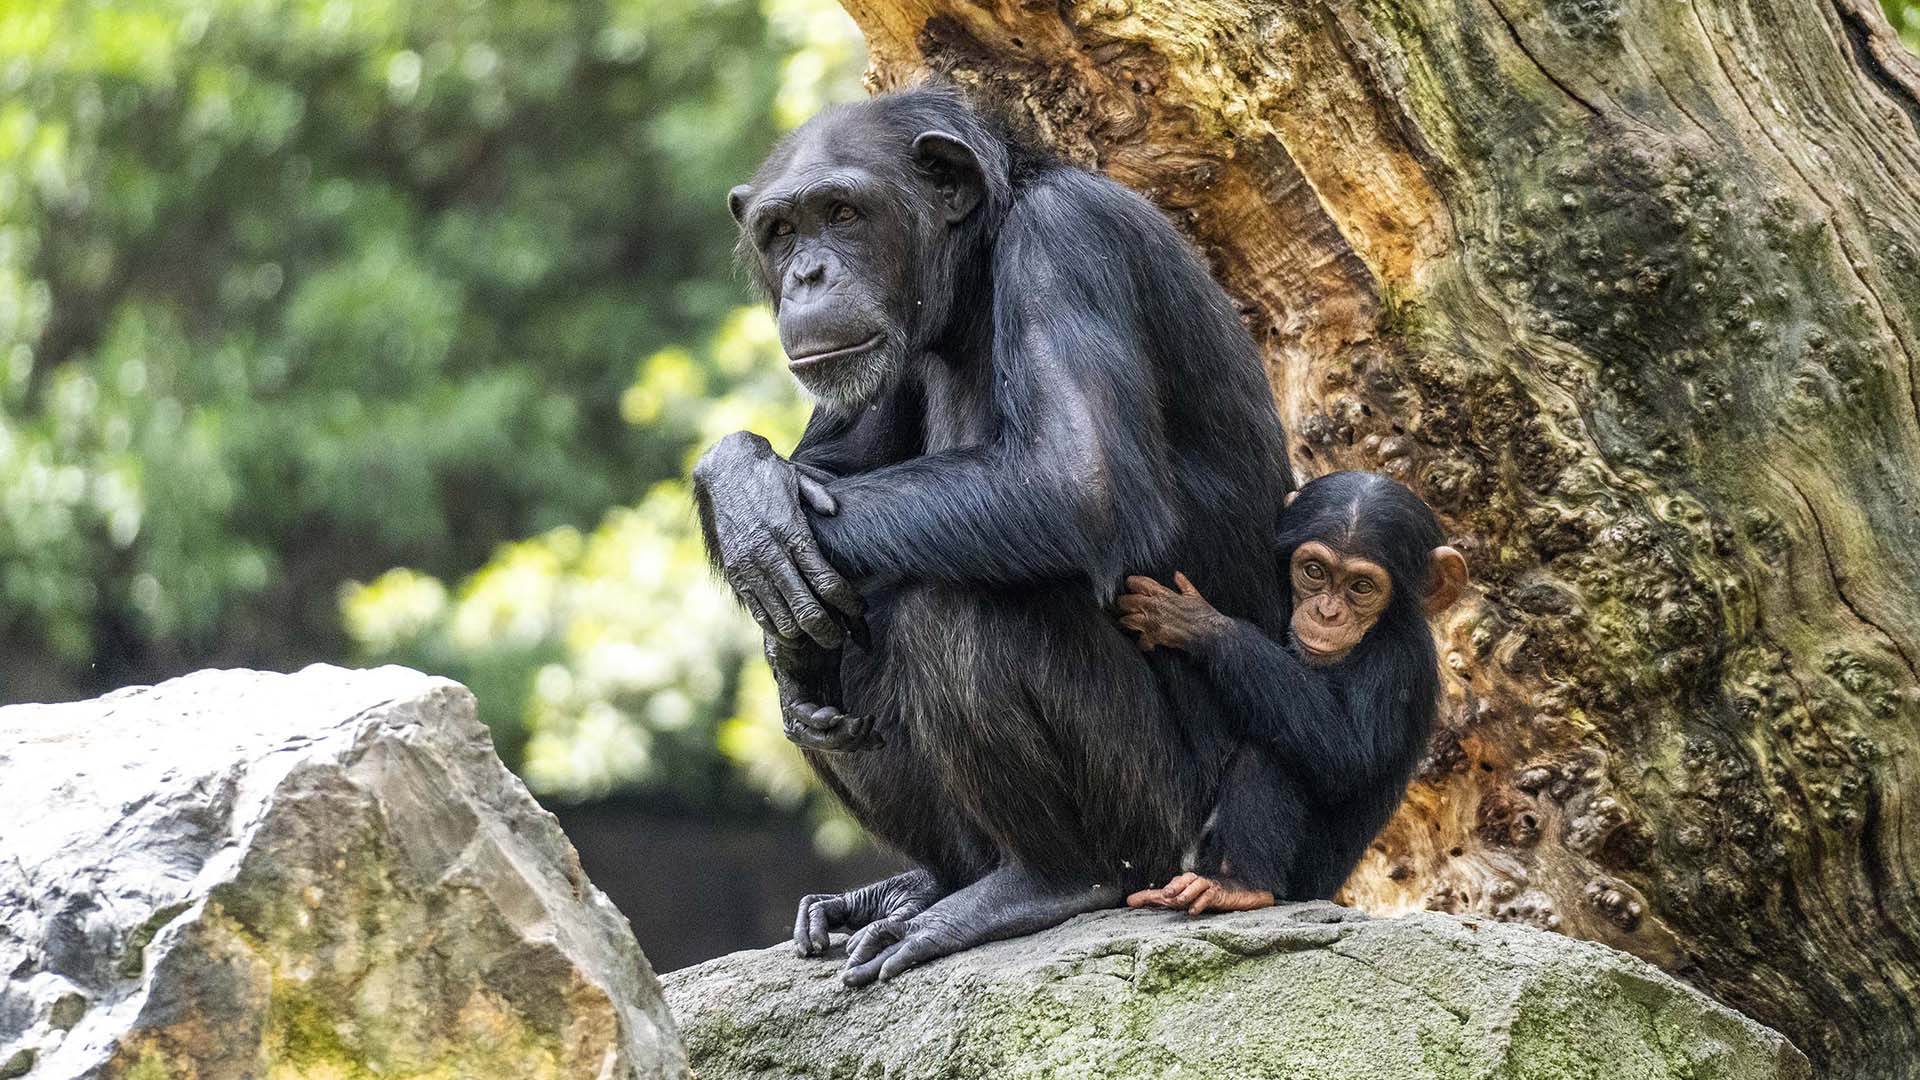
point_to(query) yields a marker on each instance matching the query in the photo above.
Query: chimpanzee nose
(1328, 609)
(806, 277)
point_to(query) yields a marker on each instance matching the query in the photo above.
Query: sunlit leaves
(295, 291)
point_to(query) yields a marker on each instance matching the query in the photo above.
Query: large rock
(319, 875)
(1302, 992)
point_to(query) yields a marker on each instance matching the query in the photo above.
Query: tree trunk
(1630, 291)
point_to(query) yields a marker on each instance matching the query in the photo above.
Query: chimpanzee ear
(737, 202)
(1446, 579)
(1291, 495)
(957, 176)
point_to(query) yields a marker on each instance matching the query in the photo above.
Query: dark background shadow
(696, 886)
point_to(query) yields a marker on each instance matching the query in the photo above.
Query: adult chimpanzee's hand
(750, 505)
(808, 680)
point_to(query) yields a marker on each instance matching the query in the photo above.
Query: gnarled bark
(1630, 291)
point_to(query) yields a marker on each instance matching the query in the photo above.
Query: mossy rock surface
(1299, 992)
(327, 875)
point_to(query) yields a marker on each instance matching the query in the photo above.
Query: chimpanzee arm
(1076, 483)
(1341, 744)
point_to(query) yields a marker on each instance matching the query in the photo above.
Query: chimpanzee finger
(759, 614)
(801, 730)
(1140, 583)
(826, 582)
(815, 727)
(1200, 906)
(803, 923)
(779, 617)
(859, 733)
(817, 497)
(914, 949)
(1186, 586)
(1191, 891)
(873, 939)
(866, 971)
(821, 921)
(1132, 602)
(813, 472)
(807, 739)
(809, 617)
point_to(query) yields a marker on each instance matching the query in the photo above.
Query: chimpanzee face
(850, 238)
(1337, 598)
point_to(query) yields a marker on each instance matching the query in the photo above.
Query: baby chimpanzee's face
(1336, 599)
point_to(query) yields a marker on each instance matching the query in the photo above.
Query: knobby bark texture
(1630, 291)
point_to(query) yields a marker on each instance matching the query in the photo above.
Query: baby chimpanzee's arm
(1285, 704)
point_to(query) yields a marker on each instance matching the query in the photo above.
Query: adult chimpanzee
(1334, 719)
(1027, 386)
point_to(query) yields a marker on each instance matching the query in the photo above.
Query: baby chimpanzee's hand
(1178, 620)
(1198, 895)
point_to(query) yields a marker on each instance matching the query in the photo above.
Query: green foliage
(296, 291)
(1905, 16)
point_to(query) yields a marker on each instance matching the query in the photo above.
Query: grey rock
(325, 874)
(1298, 992)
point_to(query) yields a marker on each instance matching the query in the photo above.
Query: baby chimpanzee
(1333, 720)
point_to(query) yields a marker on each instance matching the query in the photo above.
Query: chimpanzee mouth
(1321, 648)
(813, 360)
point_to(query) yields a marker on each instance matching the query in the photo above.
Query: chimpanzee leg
(890, 790)
(1049, 729)
(886, 782)
(1254, 833)
(1049, 732)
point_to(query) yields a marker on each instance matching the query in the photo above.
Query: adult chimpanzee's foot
(1006, 903)
(899, 897)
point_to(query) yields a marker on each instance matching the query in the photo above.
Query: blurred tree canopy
(1905, 15)
(295, 292)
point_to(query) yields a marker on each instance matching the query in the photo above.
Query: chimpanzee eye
(781, 228)
(1315, 571)
(1363, 587)
(842, 213)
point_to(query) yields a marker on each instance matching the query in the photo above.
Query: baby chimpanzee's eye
(1363, 587)
(1315, 571)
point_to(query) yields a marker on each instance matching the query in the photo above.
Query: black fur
(1329, 749)
(1074, 399)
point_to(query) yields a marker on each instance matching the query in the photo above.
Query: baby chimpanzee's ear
(1446, 579)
